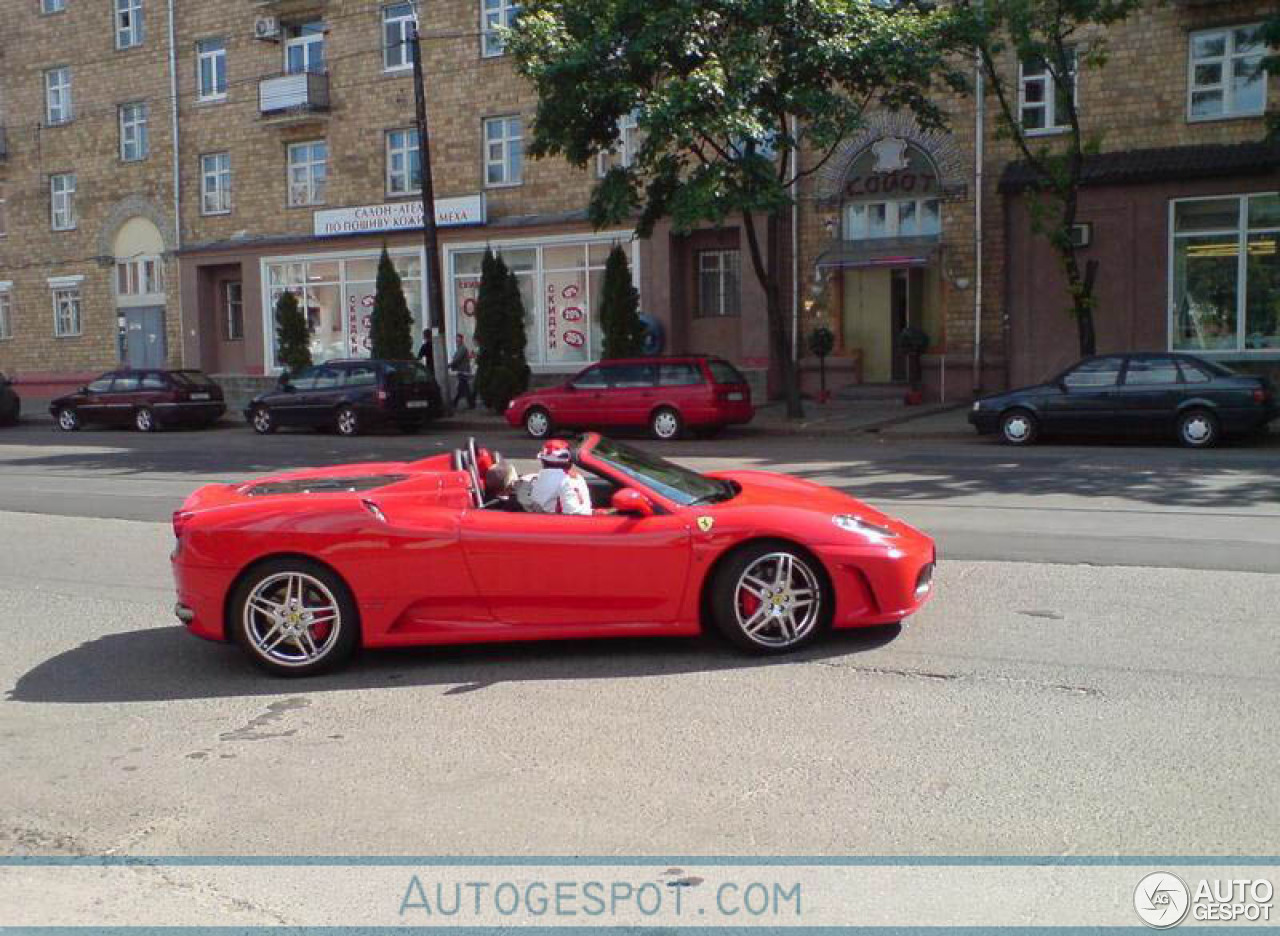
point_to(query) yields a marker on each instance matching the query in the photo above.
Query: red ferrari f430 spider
(303, 568)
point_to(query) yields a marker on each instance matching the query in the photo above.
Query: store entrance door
(906, 308)
(144, 341)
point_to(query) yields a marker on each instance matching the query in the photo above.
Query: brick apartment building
(295, 162)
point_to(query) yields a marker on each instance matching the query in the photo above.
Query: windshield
(677, 484)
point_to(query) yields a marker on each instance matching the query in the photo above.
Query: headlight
(977, 405)
(511, 404)
(855, 524)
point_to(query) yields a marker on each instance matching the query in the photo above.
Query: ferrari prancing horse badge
(706, 523)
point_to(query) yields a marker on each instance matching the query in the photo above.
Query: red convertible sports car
(302, 568)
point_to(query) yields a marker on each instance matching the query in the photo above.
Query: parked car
(1194, 400)
(302, 568)
(668, 395)
(349, 396)
(10, 402)
(145, 399)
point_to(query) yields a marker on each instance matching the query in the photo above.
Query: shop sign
(398, 216)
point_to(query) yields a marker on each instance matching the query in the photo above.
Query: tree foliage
(1064, 39)
(620, 309)
(723, 93)
(293, 334)
(391, 328)
(501, 370)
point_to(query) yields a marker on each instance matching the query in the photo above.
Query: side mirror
(631, 502)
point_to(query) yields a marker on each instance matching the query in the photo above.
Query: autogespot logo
(1161, 899)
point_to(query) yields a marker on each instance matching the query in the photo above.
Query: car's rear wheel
(1198, 428)
(347, 421)
(68, 419)
(666, 424)
(1018, 427)
(537, 422)
(295, 618)
(263, 422)
(144, 420)
(771, 598)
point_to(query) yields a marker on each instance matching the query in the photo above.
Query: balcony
(294, 99)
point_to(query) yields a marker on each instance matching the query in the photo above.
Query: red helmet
(556, 454)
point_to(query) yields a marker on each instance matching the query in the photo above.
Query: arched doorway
(139, 289)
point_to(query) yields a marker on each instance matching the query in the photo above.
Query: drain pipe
(978, 158)
(177, 173)
(795, 245)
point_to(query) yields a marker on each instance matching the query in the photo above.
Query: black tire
(1019, 427)
(262, 420)
(1198, 428)
(538, 423)
(144, 420)
(68, 419)
(665, 424)
(726, 609)
(251, 631)
(346, 421)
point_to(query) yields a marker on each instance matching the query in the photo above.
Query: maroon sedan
(667, 395)
(145, 399)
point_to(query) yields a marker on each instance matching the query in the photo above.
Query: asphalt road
(1087, 680)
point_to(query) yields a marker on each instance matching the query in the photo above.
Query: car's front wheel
(68, 419)
(771, 598)
(294, 618)
(263, 422)
(144, 420)
(1018, 427)
(537, 422)
(665, 424)
(1198, 428)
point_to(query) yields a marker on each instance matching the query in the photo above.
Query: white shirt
(555, 490)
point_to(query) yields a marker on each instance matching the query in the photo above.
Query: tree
(1063, 39)
(391, 328)
(293, 334)
(501, 369)
(620, 309)
(723, 94)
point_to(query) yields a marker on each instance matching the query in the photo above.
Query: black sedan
(1195, 401)
(144, 399)
(348, 397)
(10, 402)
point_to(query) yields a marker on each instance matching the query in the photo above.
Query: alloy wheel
(144, 420)
(68, 421)
(292, 619)
(348, 422)
(777, 600)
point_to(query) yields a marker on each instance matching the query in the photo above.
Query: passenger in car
(559, 487)
(500, 488)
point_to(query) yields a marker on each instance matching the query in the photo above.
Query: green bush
(620, 309)
(293, 334)
(391, 328)
(501, 369)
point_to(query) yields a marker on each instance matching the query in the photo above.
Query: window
(1098, 372)
(361, 375)
(629, 376)
(4, 213)
(1043, 103)
(625, 152)
(1225, 274)
(211, 69)
(126, 383)
(397, 52)
(102, 384)
(404, 169)
(233, 310)
(304, 48)
(140, 277)
(153, 381)
(722, 372)
(128, 23)
(1145, 372)
(591, 379)
(495, 14)
(307, 173)
(1225, 73)
(326, 378)
(503, 151)
(66, 311)
(134, 144)
(215, 183)
(718, 283)
(52, 6)
(1194, 373)
(905, 218)
(62, 201)
(6, 313)
(57, 95)
(678, 375)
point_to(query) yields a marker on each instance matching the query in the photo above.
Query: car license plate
(418, 404)
(734, 397)
(199, 396)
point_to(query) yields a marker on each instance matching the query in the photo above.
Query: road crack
(964, 677)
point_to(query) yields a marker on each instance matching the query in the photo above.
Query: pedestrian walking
(460, 364)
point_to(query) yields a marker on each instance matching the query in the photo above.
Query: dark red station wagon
(666, 394)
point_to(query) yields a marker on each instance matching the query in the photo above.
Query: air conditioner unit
(1082, 234)
(267, 28)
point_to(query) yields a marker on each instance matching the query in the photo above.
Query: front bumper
(880, 585)
(984, 420)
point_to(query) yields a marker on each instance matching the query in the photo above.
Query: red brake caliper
(748, 604)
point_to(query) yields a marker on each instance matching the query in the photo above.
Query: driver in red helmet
(559, 487)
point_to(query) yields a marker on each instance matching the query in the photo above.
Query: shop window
(719, 283)
(397, 46)
(1226, 75)
(1225, 288)
(1044, 101)
(233, 310)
